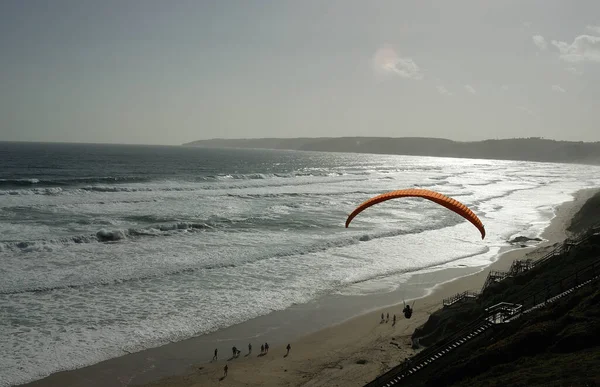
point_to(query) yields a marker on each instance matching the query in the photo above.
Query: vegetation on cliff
(552, 346)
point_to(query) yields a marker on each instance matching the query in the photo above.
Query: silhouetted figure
(225, 370)
(407, 311)
(249, 348)
(234, 350)
(288, 349)
(266, 347)
(387, 318)
(394, 321)
(382, 317)
(262, 348)
(215, 355)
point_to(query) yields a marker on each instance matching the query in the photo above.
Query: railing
(459, 297)
(507, 312)
(493, 276)
(584, 274)
(417, 360)
(499, 313)
(567, 244)
(521, 266)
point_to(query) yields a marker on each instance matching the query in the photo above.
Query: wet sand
(328, 342)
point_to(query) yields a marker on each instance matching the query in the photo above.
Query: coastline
(327, 336)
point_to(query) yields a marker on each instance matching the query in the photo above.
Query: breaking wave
(63, 182)
(103, 235)
(118, 235)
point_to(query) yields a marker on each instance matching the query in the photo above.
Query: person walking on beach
(266, 347)
(288, 349)
(262, 348)
(249, 348)
(234, 350)
(215, 356)
(225, 370)
(387, 318)
(394, 321)
(382, 317)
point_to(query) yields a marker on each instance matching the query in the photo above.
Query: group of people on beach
(385, 318)
(407, 311)
(264, 349)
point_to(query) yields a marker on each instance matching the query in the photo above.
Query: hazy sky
(168, 72)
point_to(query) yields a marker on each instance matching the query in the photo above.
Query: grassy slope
(556, 346)
(588, 216)
(514, 290)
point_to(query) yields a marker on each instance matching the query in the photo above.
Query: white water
(186, 258)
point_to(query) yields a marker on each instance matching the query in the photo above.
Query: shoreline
(327, 335)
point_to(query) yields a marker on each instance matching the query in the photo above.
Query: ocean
(108, 249)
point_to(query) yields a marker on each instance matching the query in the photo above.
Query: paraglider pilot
(407, 311)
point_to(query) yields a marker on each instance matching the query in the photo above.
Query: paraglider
(436, 197)
(449, 203)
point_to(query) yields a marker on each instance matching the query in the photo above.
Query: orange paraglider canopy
(449, 203)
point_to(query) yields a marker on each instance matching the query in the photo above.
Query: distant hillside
(528, 149)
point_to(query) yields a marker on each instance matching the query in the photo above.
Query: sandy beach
(347, 351)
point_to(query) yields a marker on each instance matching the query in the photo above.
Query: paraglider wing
(449, 203)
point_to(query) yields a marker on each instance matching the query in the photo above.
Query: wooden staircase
(459, 297)
(498, 314)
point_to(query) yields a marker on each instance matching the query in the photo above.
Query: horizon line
(291, 138)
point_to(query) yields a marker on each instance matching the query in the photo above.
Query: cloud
(443, 91)
(595, 29)
(527, 24)
(540, 42)
(407, 68)
(574, 71)
(387, 61)
(583, 48)
(470, 89)
(558, 88)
